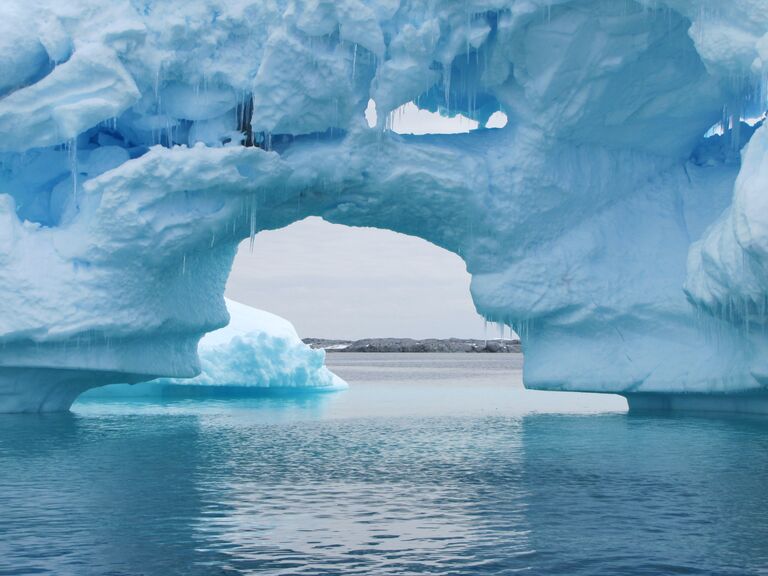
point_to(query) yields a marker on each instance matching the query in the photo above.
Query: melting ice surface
(140, 142)
(421, 467)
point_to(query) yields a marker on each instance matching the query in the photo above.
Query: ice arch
(141, 142)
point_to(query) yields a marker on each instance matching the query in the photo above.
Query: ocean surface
(429, 464)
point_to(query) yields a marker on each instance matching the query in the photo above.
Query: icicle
(253, 222)
(467, 34)
(73, 166)
(447, 88)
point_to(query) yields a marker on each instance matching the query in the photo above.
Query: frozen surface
(255, 350)
(141, 141)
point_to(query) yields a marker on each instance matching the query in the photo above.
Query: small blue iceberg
(257, 353)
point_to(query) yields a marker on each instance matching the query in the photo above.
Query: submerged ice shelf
(141, 142)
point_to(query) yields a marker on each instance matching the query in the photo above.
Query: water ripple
(284, 489)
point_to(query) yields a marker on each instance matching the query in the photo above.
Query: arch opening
(387, 284)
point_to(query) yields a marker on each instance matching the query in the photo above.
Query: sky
(335, 281)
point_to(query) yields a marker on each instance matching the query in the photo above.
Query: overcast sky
(334, 281)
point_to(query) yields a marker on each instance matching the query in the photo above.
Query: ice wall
(141, 141)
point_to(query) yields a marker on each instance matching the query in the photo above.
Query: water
(428, 465)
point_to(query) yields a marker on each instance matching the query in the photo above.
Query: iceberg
(255, 351)
(615, 222)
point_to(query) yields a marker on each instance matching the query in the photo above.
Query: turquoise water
(427, 465)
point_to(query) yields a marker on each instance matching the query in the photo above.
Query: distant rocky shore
(410, 345)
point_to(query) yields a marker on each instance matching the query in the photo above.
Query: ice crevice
(139, 144)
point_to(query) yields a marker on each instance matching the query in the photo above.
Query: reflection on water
(471, 475)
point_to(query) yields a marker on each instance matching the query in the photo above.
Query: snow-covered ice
(140, 142)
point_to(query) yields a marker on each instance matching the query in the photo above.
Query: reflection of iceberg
(256, 351)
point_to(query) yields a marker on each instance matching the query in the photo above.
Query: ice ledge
(32, 390)
(743, 403)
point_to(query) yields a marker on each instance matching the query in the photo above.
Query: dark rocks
(410, 345)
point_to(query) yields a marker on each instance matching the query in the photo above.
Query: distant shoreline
(449, 345)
